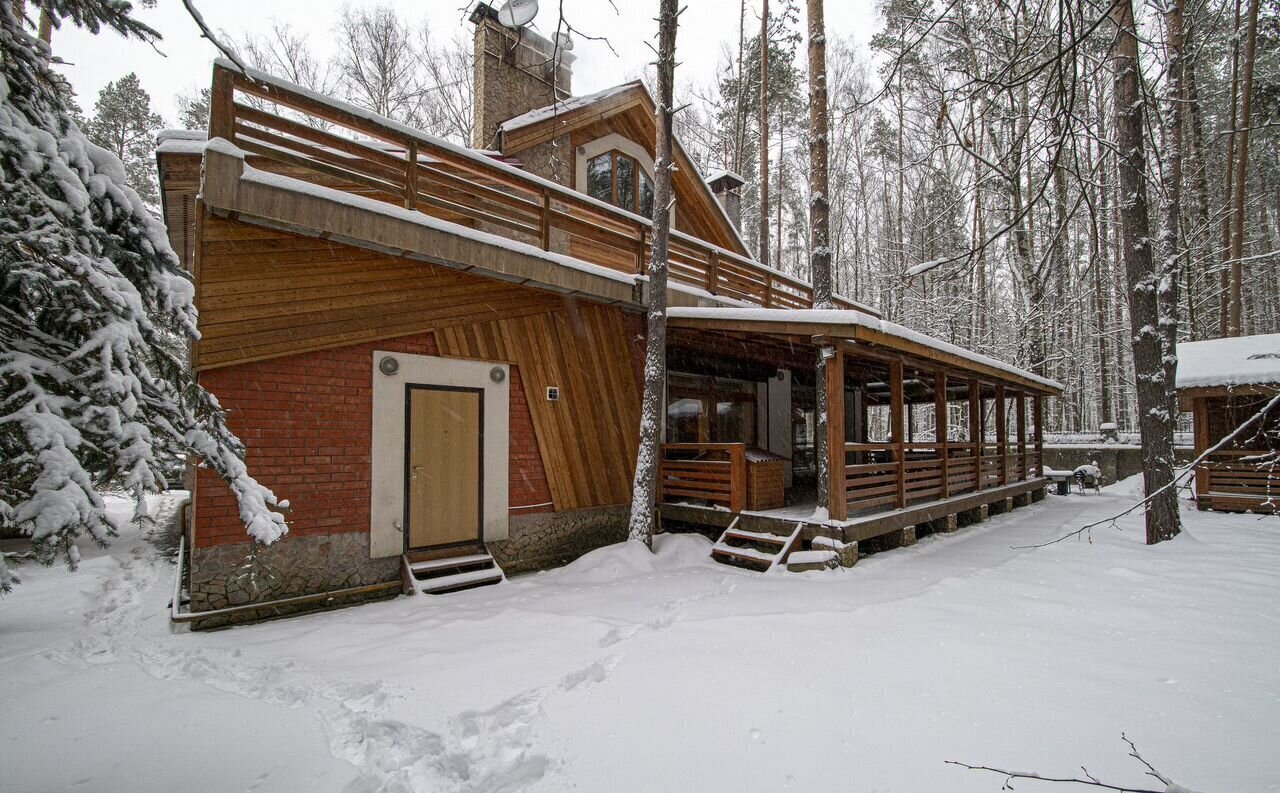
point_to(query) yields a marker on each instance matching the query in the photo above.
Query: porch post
(895, 427)
(1021, 401)
(837, 506)
(975, 430)
(1200, 438)
(1002, 434)
(940, 425)
(1037, 414)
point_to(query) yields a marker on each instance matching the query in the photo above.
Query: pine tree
(124, 125)
(193, 109)
(89, 287)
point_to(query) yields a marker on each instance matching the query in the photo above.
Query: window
(710, 410)
(619, 179)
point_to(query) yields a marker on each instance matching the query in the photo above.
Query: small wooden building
(1225, 383)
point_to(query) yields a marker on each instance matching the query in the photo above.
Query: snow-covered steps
(754, 550)
(439, 575)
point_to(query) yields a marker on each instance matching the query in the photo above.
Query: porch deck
(857, 528)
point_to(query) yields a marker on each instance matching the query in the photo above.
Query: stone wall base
(551, 539)
(969, 517)
(242, 573)
(1022, 499)
(1038, 494)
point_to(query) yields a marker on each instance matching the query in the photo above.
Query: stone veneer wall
(551, 539)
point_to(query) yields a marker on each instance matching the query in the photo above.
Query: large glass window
(619, 179)
(710, 410)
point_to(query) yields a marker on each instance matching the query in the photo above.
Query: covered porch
(919, 430)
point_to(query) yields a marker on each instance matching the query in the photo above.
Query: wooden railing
(327, 142)
(1239, 479)
(714, 472)
(887, 476)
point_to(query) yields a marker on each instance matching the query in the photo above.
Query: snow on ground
(634, 672)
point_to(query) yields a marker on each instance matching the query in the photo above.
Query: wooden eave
(1188, 395)
(634, 101)
(858, 340)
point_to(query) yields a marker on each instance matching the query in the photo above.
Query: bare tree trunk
(1234, 319)
(740, 112)
(1171, 204)
(1155, 420)
(764, 134)
(819, 218)
(1224, 300)
(645, 488)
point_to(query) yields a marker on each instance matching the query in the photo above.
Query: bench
(1061, 480)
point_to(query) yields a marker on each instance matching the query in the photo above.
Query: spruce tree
(193, 109)
(89, 288)
(124, 125)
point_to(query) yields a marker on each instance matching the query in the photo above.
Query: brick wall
(306, 422)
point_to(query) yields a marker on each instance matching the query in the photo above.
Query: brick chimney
(515, 71)
(726, 186)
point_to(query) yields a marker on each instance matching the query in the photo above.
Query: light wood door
(443, 480)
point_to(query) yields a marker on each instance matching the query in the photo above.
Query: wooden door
(444, 465)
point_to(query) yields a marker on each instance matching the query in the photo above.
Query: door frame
(387, 494)
(409, 388)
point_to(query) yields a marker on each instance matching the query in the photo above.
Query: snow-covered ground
(631, 672)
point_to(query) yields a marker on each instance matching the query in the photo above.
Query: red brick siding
(306, 422)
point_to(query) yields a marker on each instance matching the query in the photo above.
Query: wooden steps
(439, 575)
(754, 550)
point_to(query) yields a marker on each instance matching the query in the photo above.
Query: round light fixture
(497, 374)
(388, 365)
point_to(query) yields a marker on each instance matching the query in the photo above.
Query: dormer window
(617, 178)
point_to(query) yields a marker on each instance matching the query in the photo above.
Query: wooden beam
(1037, 407)
(940, 425)
(1002, 434)
(1200, 437)
(975, 429)
(1021, 401)
(837, 506)
(895, 427)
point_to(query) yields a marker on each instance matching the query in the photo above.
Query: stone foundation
(241, 573)
(1000, 506)
(969, 517)
(945, 525)
(551, 539)
(1022, 500)
(1038, 494)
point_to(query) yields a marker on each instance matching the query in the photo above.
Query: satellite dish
(564, 41)
(517, 13)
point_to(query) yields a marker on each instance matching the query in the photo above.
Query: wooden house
(434, 351)
(1225, 383)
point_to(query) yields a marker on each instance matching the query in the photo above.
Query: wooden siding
(588, 439)
(264, 293)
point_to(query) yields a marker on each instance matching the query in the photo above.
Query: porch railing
(329, 143)
(714, 472)
(889, 475)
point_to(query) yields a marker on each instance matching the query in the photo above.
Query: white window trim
(386, 492)
(627, 146)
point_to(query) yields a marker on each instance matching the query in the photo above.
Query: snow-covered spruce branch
(1177, 480)
(94, 310)
(1089, 780)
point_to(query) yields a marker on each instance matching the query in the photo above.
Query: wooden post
(975, 430)
(895, 427)
(222, 112)
(1002, 434)
(837, 505)
(940, 426)
(1037, 415)
(737, 477)
(640, 253)
(768, 290)
(545, 221)
(411, 176)
(1200, 438)
(713, 271)
(1021, 402)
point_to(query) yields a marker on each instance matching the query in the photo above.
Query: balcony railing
(1239, 478)
(317, 139)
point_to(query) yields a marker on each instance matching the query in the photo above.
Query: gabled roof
(633, 99)
(1225, 363)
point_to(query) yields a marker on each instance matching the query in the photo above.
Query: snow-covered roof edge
(563, 106)
(1233, 361)
(181, 141)
(853, 317)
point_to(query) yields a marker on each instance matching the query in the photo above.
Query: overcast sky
(182, 63)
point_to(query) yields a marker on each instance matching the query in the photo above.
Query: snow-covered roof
(1241, 360)
(562, 107)
(715, 176)
(855, 318)
(181, 141)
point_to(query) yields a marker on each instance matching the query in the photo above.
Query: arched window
(617, 178)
